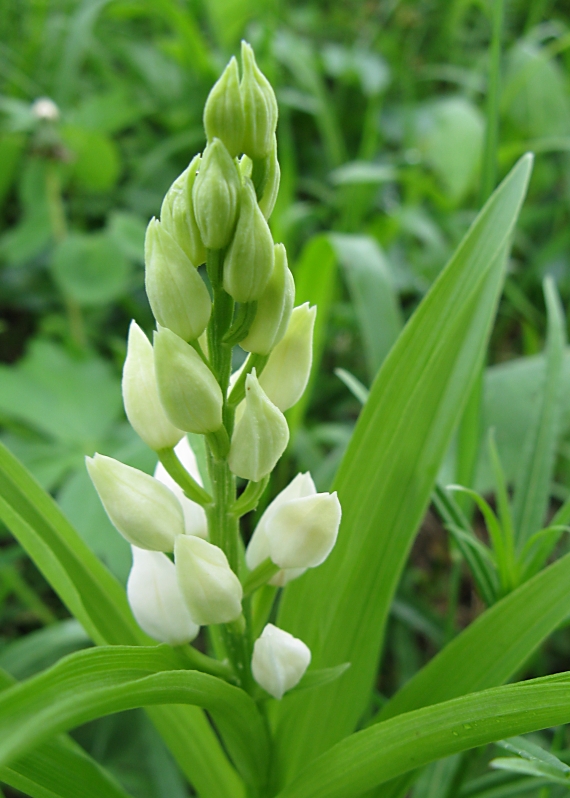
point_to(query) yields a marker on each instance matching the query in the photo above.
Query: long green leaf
(58, 769)
(386, 477)
(408, 741)
(532, 491)
(97, 600)
(100, 681)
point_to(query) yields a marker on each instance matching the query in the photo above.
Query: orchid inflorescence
(189, 564)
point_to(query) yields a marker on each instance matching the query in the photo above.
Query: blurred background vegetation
(397, 118)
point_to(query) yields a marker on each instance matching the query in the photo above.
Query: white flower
(279, 660)
(195, 521)
(45, 108)
(156, 600)
(212, 591)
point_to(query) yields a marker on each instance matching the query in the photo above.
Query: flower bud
(144, 511)
(140, 394)
(177, 294)
(259, 105)
(302, 532)
(249, 260)
(287, 371)
(156, 600)
(223, 113)
(272, 179)
(274, 308)
(279, 660)
(211, 590)
(177, 214)
(260, 436)
(215, 196)
(187, 388)
(195, 521)
(258, 549)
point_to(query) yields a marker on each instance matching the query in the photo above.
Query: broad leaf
(100, 681)
(386, 478)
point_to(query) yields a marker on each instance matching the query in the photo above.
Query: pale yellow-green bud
(274, 308)
(287, 372)
(140, 394)
(144, 511)
(272, 178)
(223, 113)
(245, 165)
(259, 105)
(187, 388)
(249, 260)
(211, 590)
(177, 214)
(260, 436)
(156, 600)
(177, 294)
(216, 196)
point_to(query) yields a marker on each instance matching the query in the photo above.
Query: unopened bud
(195, 521)
(187, 388)
(177, 294)
(140, 394)
(259, 105)
(144, 511)
(223, 113)
(274, 308)
(302, 532)
(287, 371)
(279, 660)
(211, 590)
(216, 196)
(249, 260)
(258, 549)
(260, 435)
(156, 600)
(177, 214)
(272, 179)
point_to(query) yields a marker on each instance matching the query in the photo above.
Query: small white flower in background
(143, 510)
(211, 590)
(279, 660)
(44, 108)
(195, 521)
(156, 600)
(297, 531)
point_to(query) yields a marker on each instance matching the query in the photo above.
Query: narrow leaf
(386, 478)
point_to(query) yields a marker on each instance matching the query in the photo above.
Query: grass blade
(386, 478)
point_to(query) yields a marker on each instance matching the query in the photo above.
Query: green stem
(201, 662)
(249, 499)
(17, 585)
(259, 576)
(191, 488)
(489, 166)
(220, 321)
(241, 324)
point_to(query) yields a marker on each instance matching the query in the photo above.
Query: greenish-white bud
(287, 371)
(187, 388)
(140, 394)
(143, 510)
(177, 214)
(249, 260)
(279, 660)
(272, 179)
(177, 294)
(258, 549)
(274, 308)
(195, 521)
(156, 600)
(260, 436)
(223, 113)
(211, 590)
(259, 105)
(216, 195)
